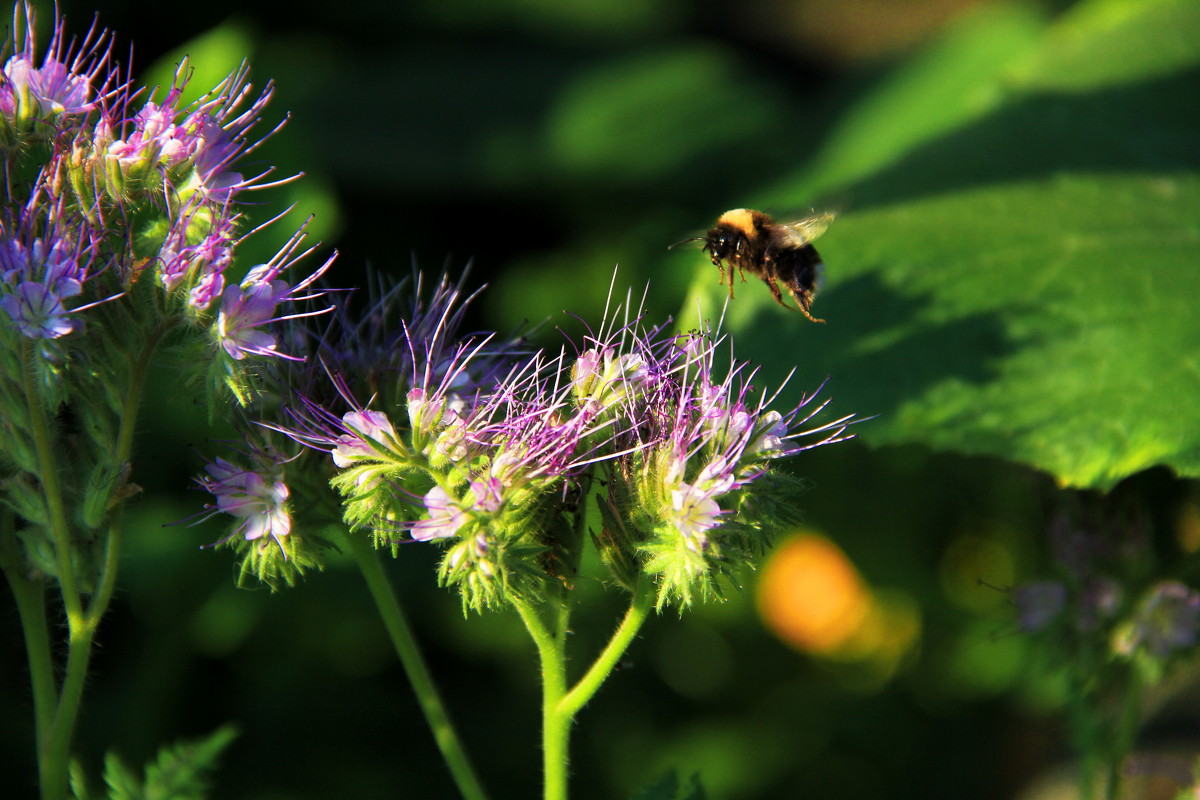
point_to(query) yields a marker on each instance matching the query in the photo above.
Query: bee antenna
(685, 241)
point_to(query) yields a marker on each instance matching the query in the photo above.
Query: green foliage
(180, 772)
(1018, 280)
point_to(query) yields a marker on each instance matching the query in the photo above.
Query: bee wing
(803, 231)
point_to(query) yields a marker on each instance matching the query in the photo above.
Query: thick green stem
(556, 727)
(55, 738)
(589, 684)
(1125, 732)
(415, 668)
(60, 531)
(56, 731)
(559, 706)
(30, 595)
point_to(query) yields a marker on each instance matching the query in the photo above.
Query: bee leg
(774, 287)
(719, 264)
(804, 300)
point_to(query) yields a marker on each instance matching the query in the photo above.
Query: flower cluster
(119, 230)
(1108, 596)
(114, 192)
(497, 452)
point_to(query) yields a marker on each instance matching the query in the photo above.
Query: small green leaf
(178, 773)
(78, 781)
(122, 783)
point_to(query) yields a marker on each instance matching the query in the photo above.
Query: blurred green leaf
(668, 787)
(586, 19)
(955, 80)
(649, 115)
(211, 56)
(1022, 287)
(1108, 42)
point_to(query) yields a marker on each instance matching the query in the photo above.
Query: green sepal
(106, 487)
(278, 563)
(683, 575)
(369, 493)
(84, 182)
(24, 494)
(490, 572)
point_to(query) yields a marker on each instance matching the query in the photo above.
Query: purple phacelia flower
(445, 517)
(1166, 621)
(486, 495)
(369, 427)
(55, 263)
(37, 312)
(249, 308)
(1039, 603)
(258, 500)
(53, 87)
(37, 273)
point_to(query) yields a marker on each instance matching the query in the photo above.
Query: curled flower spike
(194, 147)
(692, 494)
(65, 83)
(199, 268)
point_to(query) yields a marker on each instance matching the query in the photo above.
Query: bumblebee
(776, 252)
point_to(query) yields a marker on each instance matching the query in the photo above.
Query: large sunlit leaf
(1023, 285)
(956, 79)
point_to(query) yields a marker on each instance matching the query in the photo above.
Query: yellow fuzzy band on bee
(742, 220)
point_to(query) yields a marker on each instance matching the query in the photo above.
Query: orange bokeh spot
(811, 596)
